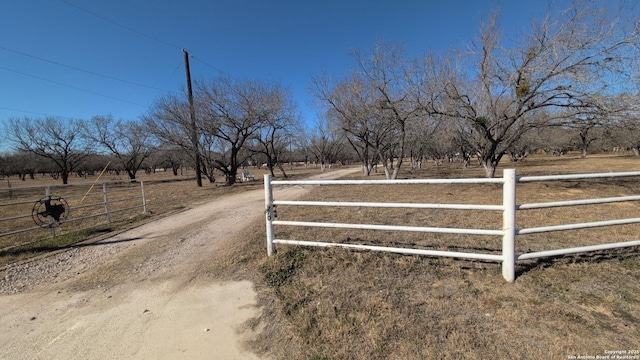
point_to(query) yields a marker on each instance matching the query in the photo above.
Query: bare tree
(325, 144)
(127, 141)
(349, 105)
(397, 86)
(93, 164)
(301, 147)
(170, 156)
(428, 137)
(234, 112)
(375, 104)
(4, 165)
(21, 164)
(622, 130)
(54, 139)
(626, 136)
(566, 65)
(587, 131)
(170, 121)
(277, 129)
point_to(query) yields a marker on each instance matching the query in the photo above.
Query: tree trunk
(584, 142)
(396, 170)
(489, 166)
(230, 177)
(284, 174)
(271, 170)
(367, 167)
(387, 169)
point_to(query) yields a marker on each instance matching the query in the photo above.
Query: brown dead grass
(341, 304)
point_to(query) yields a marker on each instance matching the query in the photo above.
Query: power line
(128, 28)
(122, 26)
(35, 113)
(69, 86)
(211, 66)
(138, 32)
(177, 67)
(81, 70)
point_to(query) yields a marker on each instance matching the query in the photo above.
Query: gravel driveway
(141, 294)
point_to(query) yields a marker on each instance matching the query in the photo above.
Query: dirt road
(142, 294)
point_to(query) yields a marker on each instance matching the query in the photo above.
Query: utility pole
(194, 129)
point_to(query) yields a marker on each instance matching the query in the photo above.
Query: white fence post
(269, 213)
(509, 225)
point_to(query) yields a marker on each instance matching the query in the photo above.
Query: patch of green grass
(49, 243)
(573, 317)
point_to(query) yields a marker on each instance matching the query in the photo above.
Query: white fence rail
(509, 208)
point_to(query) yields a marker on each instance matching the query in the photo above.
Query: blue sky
(130, 50)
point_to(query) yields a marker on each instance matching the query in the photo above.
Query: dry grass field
(341, 304)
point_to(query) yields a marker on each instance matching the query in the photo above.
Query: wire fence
(52, 208)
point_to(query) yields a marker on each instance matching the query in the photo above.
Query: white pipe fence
(509, 208)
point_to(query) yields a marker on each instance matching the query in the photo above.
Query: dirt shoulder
(142, 294)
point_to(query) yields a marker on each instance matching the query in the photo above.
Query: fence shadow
(33, 250)
(526, 266)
